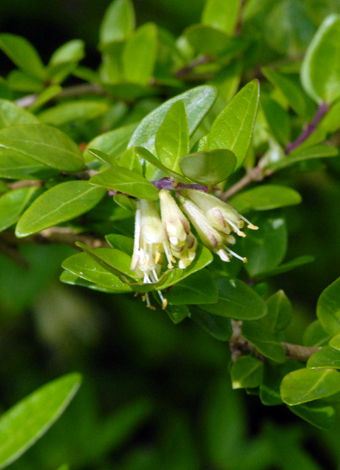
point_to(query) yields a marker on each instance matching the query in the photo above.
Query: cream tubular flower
(176, 225)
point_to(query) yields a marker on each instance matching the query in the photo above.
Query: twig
(204, 59)
(255, 174)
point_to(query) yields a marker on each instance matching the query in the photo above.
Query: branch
(255, 174)
(186, 71)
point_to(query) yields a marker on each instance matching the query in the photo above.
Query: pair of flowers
(169, 239)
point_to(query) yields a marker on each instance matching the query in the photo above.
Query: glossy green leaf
(318, 414)
(233, 127)
(279, 312)
(266, 247)
(304, 385)
(210, 167)
(121, 242)
(130, 160)
(23, 54)
(81, 110)
(126, 181)
(62, 202)
(207, 40)
(13, 115)
(290, 90)
(72, 279)
(86, 267)
(118, 22)
(126, 202)
(283, 268)
(45, 144)
(320, 73)
(103, 157)
(144, 154)
(246, 372)
(113, 143)
(315, 335)
(335, 342)
(218, 327)
(139, 55)
(197, 102)
(265, 197)
(259, 335)
(328, 308)
(325, 358)
(12, 205)
(317, 151)
(272, 377)
(14, 165)
(277, 118)
(177, 313)
(29, 419)
(236, 300)
(199, 288)
(172, 138)
(221, 15)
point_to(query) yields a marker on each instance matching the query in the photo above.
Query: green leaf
(304, 385)
(139, 55)
(23, 54)
(113, 143)
(218, 327)
(45, 96)
(197, 102)
(62, 202)
(103, 157)
(317, 151)
(236, 300)
(259, 335)
(177, 313)
(210, 167)
(144, 154)
(172, 138)
(73, 111)
(121, 242)
(279, 312)
(23, 82)
(318, 414)
(12, 115)
(46, 145)
(199, 288)
(277, 118)
(207, 40)
(283, 268)
(85, 266)
(325, 358)
(315, 335)
(129, 159)
(320, 74)
(221, 15)
(126, 202)
(72, 279)
(71, 51)
(246, 372)
(265, 198)
(272, 377)
(233, 127)
(328, 308)
(126, 181)
(12, 205)
(29, 419)
(290, 90)
(118, 22)
(335, 342)
(265, 248)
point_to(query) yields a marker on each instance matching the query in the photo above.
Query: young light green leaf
(60, 203)
(23, 82)
(71, 51)
(209, 167)
(233, 127)
(45, 96)
(265, 248)
(28, 420)
(320, 74)
(218, 327)
(199, 288)
(304, 385)
(335, 342)
(121, 242)
(197, 102)
(86, 267)
(118, 22)
(12, 205)
(13, 115)
(23, 54)
(318, 414)
(45, 144)
(139, 55)
(81, 110)
(328, 308)
(172, 138)
(266, 197)
(126, 181)
(221, 15)
(259, 335)
(236, 300)
(246, 372)
(326, 358)
(130, 160)
(126, 202)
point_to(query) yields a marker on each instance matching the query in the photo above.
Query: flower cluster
(169, 238)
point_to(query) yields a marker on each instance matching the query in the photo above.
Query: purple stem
(310, 128)
(168, 183)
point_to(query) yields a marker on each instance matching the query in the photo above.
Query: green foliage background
(157, 395)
